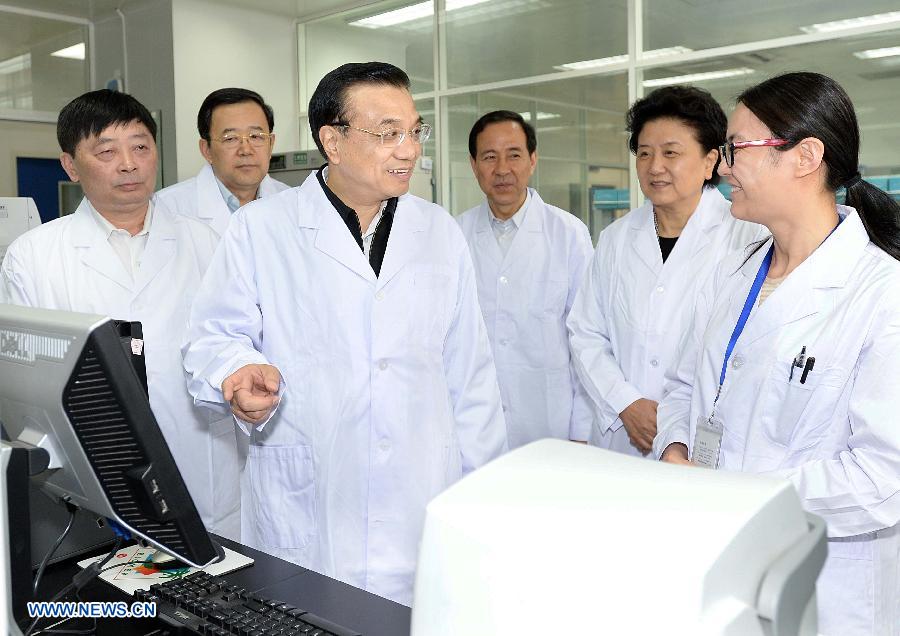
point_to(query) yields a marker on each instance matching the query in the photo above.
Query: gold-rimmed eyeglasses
(256, 139)
(394, 136)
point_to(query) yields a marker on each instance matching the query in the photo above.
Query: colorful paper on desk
(136, 572)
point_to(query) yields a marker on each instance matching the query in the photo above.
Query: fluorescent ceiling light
(541, 116)
(74, 52)
(873, 54)
(15, 64)
(616, 59)
(698, 77)
(850, 23)
(410, 13)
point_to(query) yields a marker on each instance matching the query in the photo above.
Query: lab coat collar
(832, 263)
(697, 233)
(806, 290)
(520, 250)
(96, 252)
(487, 242)
(210, 204)
(160, 250)
(315, 211)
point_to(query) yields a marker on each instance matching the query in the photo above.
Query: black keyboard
(204, 604)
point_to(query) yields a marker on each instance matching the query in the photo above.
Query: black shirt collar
(351, 220)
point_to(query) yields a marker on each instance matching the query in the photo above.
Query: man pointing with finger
(340, 321)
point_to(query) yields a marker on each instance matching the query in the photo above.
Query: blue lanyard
(745, 312)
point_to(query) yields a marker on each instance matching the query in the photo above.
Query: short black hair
(692, 106)
(230, 96)
(495, 117)
(328, 105)
(92, 113)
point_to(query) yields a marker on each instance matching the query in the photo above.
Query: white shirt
(129, 248)
(505, 231)
(231, 201)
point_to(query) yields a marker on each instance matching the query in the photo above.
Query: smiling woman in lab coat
(809, 390)
(635, 301)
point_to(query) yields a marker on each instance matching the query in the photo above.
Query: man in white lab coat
(529, 259)
(352, 306)
(123, 255)
(236, 138)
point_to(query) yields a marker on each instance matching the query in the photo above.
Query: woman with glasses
(792, 367)
(635, 300)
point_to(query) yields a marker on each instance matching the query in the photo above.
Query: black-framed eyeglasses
(393, 137)
(727, 149)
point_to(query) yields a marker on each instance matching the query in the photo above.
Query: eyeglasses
(394, 136)
(727, 149)
(255, 139)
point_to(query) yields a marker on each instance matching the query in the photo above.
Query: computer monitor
(17, 216)
(573, 539)
(67, 385)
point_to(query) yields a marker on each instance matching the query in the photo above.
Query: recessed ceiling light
(541, 116)
(15, 64)
(616, 59)
(74, 52)
(850, 23)
(873, 54)
(410, 13)
(698, 77)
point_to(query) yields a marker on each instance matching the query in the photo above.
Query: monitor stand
(19, 462)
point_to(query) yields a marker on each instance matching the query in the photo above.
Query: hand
(252, 391)
(676, 453)
(639, 419)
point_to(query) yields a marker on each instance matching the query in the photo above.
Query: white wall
(150, 72)
(216, 46)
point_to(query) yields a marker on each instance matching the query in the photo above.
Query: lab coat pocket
(549, 299)
(846, 588)
(800, 414)
(283, 488)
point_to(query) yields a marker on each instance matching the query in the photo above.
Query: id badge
(707, 442)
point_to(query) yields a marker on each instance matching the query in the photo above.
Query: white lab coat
(836, 436)
(632, 309)
(391, 393)
(200, 197)
(68, 264)
(525, 298)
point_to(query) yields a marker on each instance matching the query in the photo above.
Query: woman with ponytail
(792, 366)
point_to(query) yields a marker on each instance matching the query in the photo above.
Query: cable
(81, 579)
(52, 551)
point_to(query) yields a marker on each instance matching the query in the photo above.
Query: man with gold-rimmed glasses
(236, 138)
(350, 305)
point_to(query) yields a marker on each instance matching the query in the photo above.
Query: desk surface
(272, 577)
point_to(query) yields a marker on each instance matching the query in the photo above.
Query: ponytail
(879, 213)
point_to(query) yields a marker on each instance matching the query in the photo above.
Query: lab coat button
(503, 280)
(379, 296)
(383, 365)
(660, 289)
(384, 445)
(738, 362)
(654, 363)
(504, 342)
